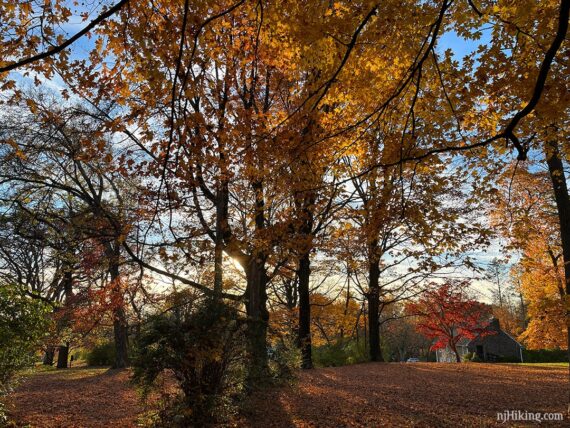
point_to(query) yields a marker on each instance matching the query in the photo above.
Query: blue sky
(460, 46)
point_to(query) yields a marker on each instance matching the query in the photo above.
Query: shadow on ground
(419, 395)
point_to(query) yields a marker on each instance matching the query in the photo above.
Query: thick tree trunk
(63, 356)
(556, 171)
(120, 325)
(256, 300)
(304, 202)
(304, 273)
(257, 320)
(120, 330)
(373, 297)
(48, 356)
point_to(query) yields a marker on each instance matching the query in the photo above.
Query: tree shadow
(393, 394)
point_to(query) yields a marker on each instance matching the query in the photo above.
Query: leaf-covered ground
(77, 397)
(364, 395)
(419, 395)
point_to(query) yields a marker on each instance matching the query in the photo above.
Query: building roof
(496, 326)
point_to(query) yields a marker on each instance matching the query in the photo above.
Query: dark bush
(431, 357)
(545, 356)
(101, 355)
(284, 360)
(199, 345)
(341, 353)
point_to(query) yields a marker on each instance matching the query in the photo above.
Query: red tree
(447, 315)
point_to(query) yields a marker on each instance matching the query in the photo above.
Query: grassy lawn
(78, 370)
(542, 365)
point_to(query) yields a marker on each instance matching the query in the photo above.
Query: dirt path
(364, 395)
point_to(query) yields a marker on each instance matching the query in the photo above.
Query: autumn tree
(223, 117)
(29, 263)
(400, 338)
(81, 176)
(446, 315)
(335, 320)
(525, 215)
(405, 226)
(542, 285)
(536, 34)
(218, 100)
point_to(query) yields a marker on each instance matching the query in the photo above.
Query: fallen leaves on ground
(81, 397)
(363, 395)
(412, 395)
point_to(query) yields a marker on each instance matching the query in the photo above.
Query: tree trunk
(120, 325)
(556, 171)
(291, 292)
(120, 330)
(221, 228)
(304, 273)
(63, 356)
(304, 201)
(373, 297)
(523, 311)
(48, 356)
(257, 320)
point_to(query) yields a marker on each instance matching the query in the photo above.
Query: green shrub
(467, 357)
(199, 345)
(24, 322)
(341, 353)
(101, 355)
(545, 356)
(284, 360)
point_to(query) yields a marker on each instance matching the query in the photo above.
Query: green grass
(69, 373)
(556, 365)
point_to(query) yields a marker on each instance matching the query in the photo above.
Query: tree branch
(55, 50)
